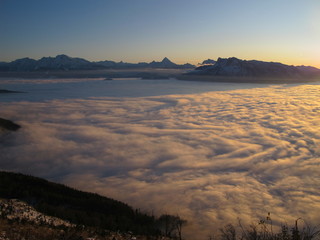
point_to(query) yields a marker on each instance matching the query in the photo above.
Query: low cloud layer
(211, 157)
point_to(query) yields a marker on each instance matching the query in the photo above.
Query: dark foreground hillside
(78, 207)
(8, 125)
(70, 214)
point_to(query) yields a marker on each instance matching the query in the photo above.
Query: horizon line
(179, 63)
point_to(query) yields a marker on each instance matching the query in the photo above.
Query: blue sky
(145, 30)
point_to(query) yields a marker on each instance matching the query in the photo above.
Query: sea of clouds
(210, 157)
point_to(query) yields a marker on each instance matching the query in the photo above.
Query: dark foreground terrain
(6, 124)
(32, 208)
(79, 211)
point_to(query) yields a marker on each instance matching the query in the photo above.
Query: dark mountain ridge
(234, 67)
(208, 62)
(64, 62)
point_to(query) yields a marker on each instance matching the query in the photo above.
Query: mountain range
(64, 62)
(223, 67)
(234, 67)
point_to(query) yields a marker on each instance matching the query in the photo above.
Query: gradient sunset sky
(286, 31)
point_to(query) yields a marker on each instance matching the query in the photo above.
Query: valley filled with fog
(210, 152)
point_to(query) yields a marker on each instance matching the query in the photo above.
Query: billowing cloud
(211, 157)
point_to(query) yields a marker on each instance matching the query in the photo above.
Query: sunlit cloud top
(211, 157)
(144, 30)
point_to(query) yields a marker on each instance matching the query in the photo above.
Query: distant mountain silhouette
(166, 63)
(23, 64)
(64, 62)
(209, 61)
(234, 67)
(60, 62)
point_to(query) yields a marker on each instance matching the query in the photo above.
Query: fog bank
(209, 157)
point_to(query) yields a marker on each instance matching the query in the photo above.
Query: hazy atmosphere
(211, 157)
(214, 142)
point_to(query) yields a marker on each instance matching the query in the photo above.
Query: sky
(144, 30)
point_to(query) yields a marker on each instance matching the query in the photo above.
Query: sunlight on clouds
(210, 157)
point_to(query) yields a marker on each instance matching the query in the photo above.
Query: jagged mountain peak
(58, 57)
(235, 67)
(65, 62)
(166, 60)
(63, 56)
(26, 59)
(230, 60)
(208, 62)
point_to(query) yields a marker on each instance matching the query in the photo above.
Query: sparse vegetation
(95, 216)
(171, 226)
(81, 208)
(12, 230)
(263, 230)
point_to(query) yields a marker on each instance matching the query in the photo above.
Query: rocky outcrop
(208, 62)
(8, 125)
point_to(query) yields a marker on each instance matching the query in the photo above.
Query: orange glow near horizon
(288, 61)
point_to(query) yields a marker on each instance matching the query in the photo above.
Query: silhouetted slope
(75, 206)
(8, 125)
(234, 67)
